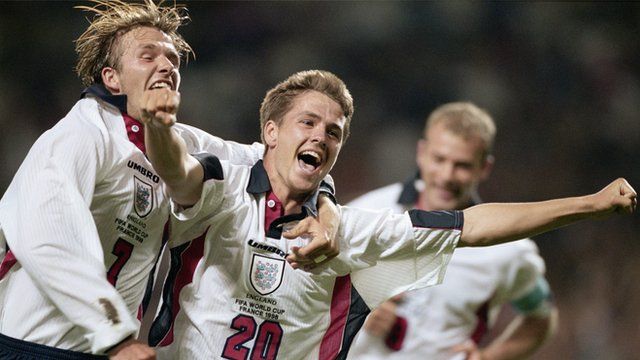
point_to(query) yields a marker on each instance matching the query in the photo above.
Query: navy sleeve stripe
(211, 165)
(437, 219)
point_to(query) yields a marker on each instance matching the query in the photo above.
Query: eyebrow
(312, 114)
(152, 46)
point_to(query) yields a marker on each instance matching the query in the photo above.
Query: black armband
(211, 166)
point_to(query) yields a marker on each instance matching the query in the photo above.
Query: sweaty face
(148, 60)
(451, 168)
(305, 146)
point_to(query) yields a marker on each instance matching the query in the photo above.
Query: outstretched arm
(493, 223)
(181, 172)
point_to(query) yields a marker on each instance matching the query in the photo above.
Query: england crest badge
(266, 274)
(143, 197)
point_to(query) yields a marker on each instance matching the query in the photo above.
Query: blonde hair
(279, 99)
(465, 119)
(97, 46)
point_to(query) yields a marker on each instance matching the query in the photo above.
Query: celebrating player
(242, 300)
(454, 158)
(82, 222)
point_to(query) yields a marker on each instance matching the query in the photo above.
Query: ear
(487, 167)
(270, 132)
(111, 79)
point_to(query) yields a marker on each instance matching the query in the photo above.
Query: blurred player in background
(83, 221)
(449, 320)
(242, 300)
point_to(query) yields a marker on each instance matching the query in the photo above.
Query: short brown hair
(279, 99)
(465, 119)
(96, 46)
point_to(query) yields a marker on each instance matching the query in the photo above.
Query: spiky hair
(280, 99)
(97, 46)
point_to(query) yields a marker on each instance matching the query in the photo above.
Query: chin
(305, 186)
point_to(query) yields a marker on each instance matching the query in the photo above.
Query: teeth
(312, 153)
(160, 85)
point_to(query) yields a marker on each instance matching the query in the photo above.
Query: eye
(175, 59)
(335, 134)
(437, 158)
(307, 122)
(465, 166)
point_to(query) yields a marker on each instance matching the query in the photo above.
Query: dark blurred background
(561, 80)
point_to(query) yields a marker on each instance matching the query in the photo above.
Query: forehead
(316, 104)
(145, 35)
(444, 142)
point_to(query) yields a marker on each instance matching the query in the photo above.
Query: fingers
(160, 106)
(301, 228)
(630, 201)
(381, 320)
(397, 299)
(469, 348)
(132, 349)
(318, 251)
(626, 188)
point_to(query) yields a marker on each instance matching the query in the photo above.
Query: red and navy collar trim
(133, 126)
(259, 183)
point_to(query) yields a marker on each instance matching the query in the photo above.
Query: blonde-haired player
(83, 221)
(448, 321)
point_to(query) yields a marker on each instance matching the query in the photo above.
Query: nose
(166, 66)
(319, 136)
(447, 172)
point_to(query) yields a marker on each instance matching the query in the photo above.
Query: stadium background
(561, 79)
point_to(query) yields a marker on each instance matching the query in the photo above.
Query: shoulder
(381, 197)
(85, 123)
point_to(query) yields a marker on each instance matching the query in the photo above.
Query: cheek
(466, 177)
(430, 168)
(177, 80)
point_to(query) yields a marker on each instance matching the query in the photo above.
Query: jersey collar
(410, 192)
(119, 101)
(409, 195)
(259, 183)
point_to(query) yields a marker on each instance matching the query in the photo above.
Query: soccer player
(83, 221)
(454, 157)
(241, 300)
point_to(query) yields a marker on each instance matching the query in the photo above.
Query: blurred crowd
(561, 79)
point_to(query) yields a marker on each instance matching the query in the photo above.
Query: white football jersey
(478, 282)
(231, 294)
(81, 227)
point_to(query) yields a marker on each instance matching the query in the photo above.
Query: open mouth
(309, 160)
(160, 85)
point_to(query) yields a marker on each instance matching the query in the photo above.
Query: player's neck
(423, 204)
(290, 203)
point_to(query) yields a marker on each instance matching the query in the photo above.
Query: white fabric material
(70, 214)
(442, 316)
(225, 302)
